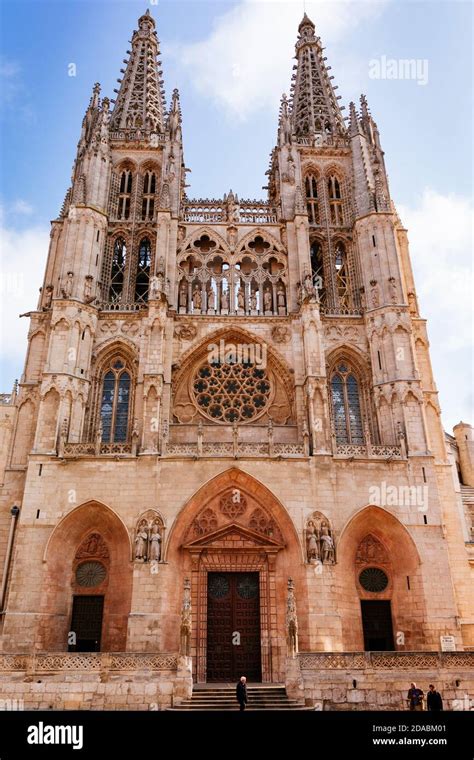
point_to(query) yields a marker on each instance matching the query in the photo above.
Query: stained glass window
(143, 270)
(335, 202)
(312, 201)
(117, 276)
(342, 275)
(346, 406)
(114, 408)
(231, 392)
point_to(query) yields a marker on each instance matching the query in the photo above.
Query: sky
(231, 62)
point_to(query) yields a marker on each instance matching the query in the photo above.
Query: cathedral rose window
(228, 392)
(373, 579)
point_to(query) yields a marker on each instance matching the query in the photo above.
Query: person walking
(434, 701)
(242, 693)
(415, 698)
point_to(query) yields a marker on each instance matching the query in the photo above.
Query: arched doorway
(237, 544)
(87, 583)
(380, 584)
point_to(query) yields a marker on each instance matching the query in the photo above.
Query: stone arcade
(213, 392)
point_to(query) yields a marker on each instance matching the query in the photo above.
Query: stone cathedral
(225, 453)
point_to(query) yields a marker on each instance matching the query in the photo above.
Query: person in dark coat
(242, 692)
(415, 698)
(433, 700)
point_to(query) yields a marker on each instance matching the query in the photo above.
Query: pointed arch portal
(231, 535)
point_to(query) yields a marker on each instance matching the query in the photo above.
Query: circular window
(373, 579)
(218, 586)
(247, 587)
(90, 574)
(231, 392)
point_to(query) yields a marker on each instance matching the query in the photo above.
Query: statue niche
(319, 541)
(148, 540)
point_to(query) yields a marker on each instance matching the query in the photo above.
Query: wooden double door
(233, 627)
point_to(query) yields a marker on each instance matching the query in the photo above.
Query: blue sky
(231, 61)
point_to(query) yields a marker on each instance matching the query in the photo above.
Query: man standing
(242, 693)
(434, 701)
(415, 698)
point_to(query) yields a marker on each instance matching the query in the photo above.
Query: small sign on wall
(448, 643)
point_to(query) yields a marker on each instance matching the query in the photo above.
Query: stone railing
(91, 449)
(206, 210)
(133, 135)
(119, 306)
(340, 311)
(226, 449)
(384, 660)
(364, 451)
(60, 662)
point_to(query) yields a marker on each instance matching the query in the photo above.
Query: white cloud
(22, 261)
(440, 235)
(21, 207)
(245, 62)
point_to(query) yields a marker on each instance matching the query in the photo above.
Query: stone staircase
(222, 697)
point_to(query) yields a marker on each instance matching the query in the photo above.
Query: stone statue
(211, 299)
(67, 289)
(233, 209)
(374, 294)
(197, 297)
(171, 172)
(267, 300)
(88, 297)
(393, 289)
(412, 304)
(291, 621)
(312, 542)
(281, 296)
(225, 299)
(141, 541)
(241, 299)
(285, 123)
(155, 543)
(253, 301)
(186, 621)
(156, 286)
(183, 294)
(48, 296)
(327, 545)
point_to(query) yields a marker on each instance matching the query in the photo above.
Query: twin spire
(313, 103)
(140, 102)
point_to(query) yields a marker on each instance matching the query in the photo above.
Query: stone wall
(91, 681)
(380, 680)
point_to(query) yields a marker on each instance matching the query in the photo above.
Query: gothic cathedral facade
(227, 422)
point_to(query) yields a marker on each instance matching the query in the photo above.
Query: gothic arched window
(335, 202)
(117, 276)
(115, 403)
(149, 190)
(312, 201)
(342, 275)
(317, 269)
(346, 405)
(143, 270)
(125, 194)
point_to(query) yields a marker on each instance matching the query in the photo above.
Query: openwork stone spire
(315, 108)
(140, 101)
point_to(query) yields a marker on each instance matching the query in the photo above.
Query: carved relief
(185, 332)
(93, 546)
(205, 522)
(148, 539)
(319, 540)
(371, 551)
(233, 503)
(280, 334)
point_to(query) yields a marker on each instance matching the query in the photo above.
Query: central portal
(233, 627)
